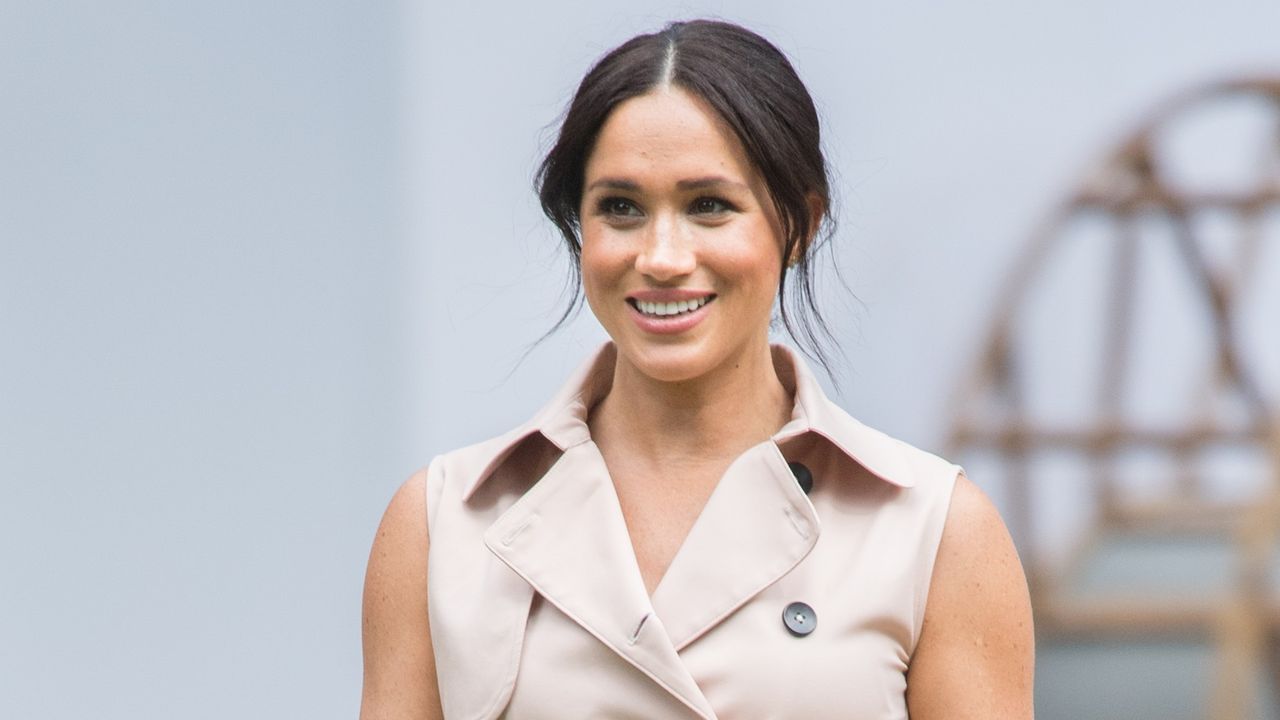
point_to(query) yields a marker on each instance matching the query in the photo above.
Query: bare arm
(976, 655)
(399, 666)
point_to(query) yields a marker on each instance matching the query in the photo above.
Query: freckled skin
(656, 141)
(976, 655)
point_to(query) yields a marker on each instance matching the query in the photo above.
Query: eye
(710, 206)
(617, 207)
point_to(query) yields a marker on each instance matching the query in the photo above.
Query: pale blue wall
(199, 384)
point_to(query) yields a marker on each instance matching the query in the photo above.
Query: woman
(690, 528)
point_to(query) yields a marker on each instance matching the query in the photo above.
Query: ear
(817, 208)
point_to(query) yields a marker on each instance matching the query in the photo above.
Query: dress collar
(563, 419)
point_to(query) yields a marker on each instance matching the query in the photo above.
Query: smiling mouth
(668, 309)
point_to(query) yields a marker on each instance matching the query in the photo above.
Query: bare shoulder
(399, 665)
(405, 521)
(975, 656)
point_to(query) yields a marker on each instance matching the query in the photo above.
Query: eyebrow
(691, 184)
(614, 184)
(709, 181)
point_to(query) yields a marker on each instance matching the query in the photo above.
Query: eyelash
(611, 205)
(724, 205)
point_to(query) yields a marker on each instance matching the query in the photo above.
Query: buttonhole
(798, 522)
(511, 536)
(635, 635)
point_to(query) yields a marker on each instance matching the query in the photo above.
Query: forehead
(667, 131)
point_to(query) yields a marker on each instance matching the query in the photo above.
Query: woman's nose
(666, 252)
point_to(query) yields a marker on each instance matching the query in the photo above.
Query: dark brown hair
(753, 87)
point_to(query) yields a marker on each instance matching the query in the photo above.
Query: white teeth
(670, 308)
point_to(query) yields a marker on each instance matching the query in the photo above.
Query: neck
(715, 416)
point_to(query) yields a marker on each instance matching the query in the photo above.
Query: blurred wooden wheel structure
(1165, 441)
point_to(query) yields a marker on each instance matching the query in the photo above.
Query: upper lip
(666, 295)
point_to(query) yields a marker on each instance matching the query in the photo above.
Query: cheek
(753, 267)
(601, 268)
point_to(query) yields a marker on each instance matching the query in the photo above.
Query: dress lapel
(756, 526)
(567, 538)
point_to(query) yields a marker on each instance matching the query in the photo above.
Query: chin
(672, 363)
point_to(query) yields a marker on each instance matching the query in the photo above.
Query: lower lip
(669, 324)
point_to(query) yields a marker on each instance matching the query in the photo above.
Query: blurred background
(254, 257)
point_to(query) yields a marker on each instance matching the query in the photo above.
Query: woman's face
(681, 247)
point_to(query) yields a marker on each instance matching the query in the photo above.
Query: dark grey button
(803, 476)
(800, 619)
